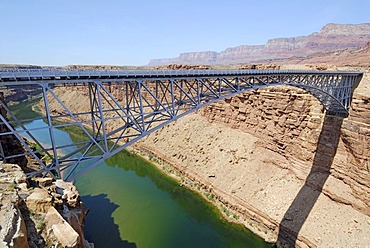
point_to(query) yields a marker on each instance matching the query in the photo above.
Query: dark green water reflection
(151, 210)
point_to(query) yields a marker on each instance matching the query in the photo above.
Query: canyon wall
(289, 122)
(330, 38)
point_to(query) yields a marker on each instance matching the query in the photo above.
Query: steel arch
(148, 101)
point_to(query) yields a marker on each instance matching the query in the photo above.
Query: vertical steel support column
(340, 92)
(345, 92)
(127, 107)
(181, 93)
(55, 162)
(102, 119)
(156, 96)
(331, 85)
(219, 80)
(92, 110)
(198, 91)
(139, 82)
(172, 98)
(348, 92)
(237, 84)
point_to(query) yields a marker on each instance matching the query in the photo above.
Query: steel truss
(141, 103)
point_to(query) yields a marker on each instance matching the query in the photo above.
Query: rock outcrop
(50, 213)
(289, 122)
(355, 57)
(206, 58)
(182, 67)
(13, 231)
(331, 37)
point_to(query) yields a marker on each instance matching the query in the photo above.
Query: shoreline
(232, 208)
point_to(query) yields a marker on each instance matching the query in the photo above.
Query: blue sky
(131, 32)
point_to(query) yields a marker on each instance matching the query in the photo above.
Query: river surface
(132, 204)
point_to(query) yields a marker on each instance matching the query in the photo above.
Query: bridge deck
(29, 76)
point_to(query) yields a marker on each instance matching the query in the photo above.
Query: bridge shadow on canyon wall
(305, 200)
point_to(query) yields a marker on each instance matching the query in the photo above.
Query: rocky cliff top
(345, 29)
(39, 213)
(353, 57)
(330, 38)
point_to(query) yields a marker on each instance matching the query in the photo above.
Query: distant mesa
(331, 37)
(181, 67)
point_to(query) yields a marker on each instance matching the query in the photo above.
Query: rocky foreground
(39, 213)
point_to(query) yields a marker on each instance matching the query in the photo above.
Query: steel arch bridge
(142, 101)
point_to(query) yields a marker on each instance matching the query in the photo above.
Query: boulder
(63, 233)
(66, 235)
(68, 192)
(75, 217)
(39, 200)
(44, 181)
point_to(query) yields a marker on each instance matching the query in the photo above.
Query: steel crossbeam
(140, 103)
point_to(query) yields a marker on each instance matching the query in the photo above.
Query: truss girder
(142, 102)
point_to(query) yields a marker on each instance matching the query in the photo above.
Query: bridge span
(126, 105)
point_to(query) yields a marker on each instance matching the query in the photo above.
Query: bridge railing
(23, 75)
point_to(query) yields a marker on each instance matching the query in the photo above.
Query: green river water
(132, 204)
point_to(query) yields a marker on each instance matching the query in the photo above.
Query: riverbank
(240, 213)
(264, 180)
(255, 178)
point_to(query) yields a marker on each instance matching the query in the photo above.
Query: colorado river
(132, 204)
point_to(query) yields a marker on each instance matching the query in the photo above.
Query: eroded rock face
(61, 230)
(50, 214)
(289, 122)
(182, 67)
(39, 201)
(68, 192)
(13, 231)
(65, 225)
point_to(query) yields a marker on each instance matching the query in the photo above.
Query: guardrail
(36, 75)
